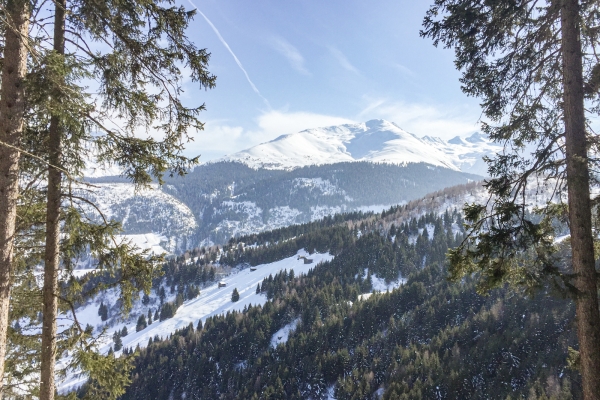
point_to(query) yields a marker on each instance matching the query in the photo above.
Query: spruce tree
(15, 28)
(235, 295)
(137, 81)
(533, 65)
(141, 323)
(117, 340)
(103, 311)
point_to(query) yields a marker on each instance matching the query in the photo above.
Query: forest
(427, 339)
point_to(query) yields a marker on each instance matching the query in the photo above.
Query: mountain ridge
(377, 141)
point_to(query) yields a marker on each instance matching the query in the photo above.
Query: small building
(222, 284)
(306, 260)
(252, 268)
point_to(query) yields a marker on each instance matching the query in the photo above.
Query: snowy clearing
(212, 301)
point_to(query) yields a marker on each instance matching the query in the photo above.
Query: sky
(285, 66)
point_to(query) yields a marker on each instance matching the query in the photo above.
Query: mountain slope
(305, 176)
(376, 141)
(467, 154)
(150, 217)
(317, 338)
(231, 199)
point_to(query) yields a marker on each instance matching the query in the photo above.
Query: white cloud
(215, 141)
(291, 53)
(220, 139)
(423, 119)
(276, 123)
(342, 60)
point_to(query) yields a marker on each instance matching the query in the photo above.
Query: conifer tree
(235, 295)
(103, 311)
(117, 340)
(15, 27)
(137, 80)
(533, 64)
(141, 323)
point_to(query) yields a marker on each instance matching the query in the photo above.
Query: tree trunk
(52, 259)
(12, 110)
(580, 219)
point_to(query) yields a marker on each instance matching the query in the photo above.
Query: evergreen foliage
(141, 323)
(103, 311)
(428, 339)
(235, 295)
(137, 79)
(533, 64)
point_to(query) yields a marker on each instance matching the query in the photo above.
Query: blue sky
(311, 63)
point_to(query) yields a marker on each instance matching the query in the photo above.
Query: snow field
(215, 301)
(282, 335)
(212, 301)
(377, 141)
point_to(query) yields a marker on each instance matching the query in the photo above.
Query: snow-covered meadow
(211, 301)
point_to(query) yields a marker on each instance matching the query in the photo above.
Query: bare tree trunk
(52, 259)
(580, 219)
(12, 110)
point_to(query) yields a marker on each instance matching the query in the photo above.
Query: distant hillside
(231, 199)
(333, 332)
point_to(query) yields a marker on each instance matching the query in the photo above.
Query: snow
(151, 218)
(377, 141)
(467, 154)
(379, 284)
(331, 392)
(212, 301)
(251, 218)
(323, 185)
(150, 241)
(282, 335)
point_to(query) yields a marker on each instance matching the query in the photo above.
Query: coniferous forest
(427, 339)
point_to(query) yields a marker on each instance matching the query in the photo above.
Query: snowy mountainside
(294, 179)
(377, 141)
(467, 154)
(150, 217)
(230, 199)
(213, 300)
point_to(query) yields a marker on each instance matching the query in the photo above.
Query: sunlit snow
(212, 301)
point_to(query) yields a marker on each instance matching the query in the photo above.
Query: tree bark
(580, 219)
(12, 111)
(52, 258)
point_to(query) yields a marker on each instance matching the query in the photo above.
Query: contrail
(214, 28)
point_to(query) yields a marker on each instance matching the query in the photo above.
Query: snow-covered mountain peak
(477, 137)
(376, 140)
(457, 140)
